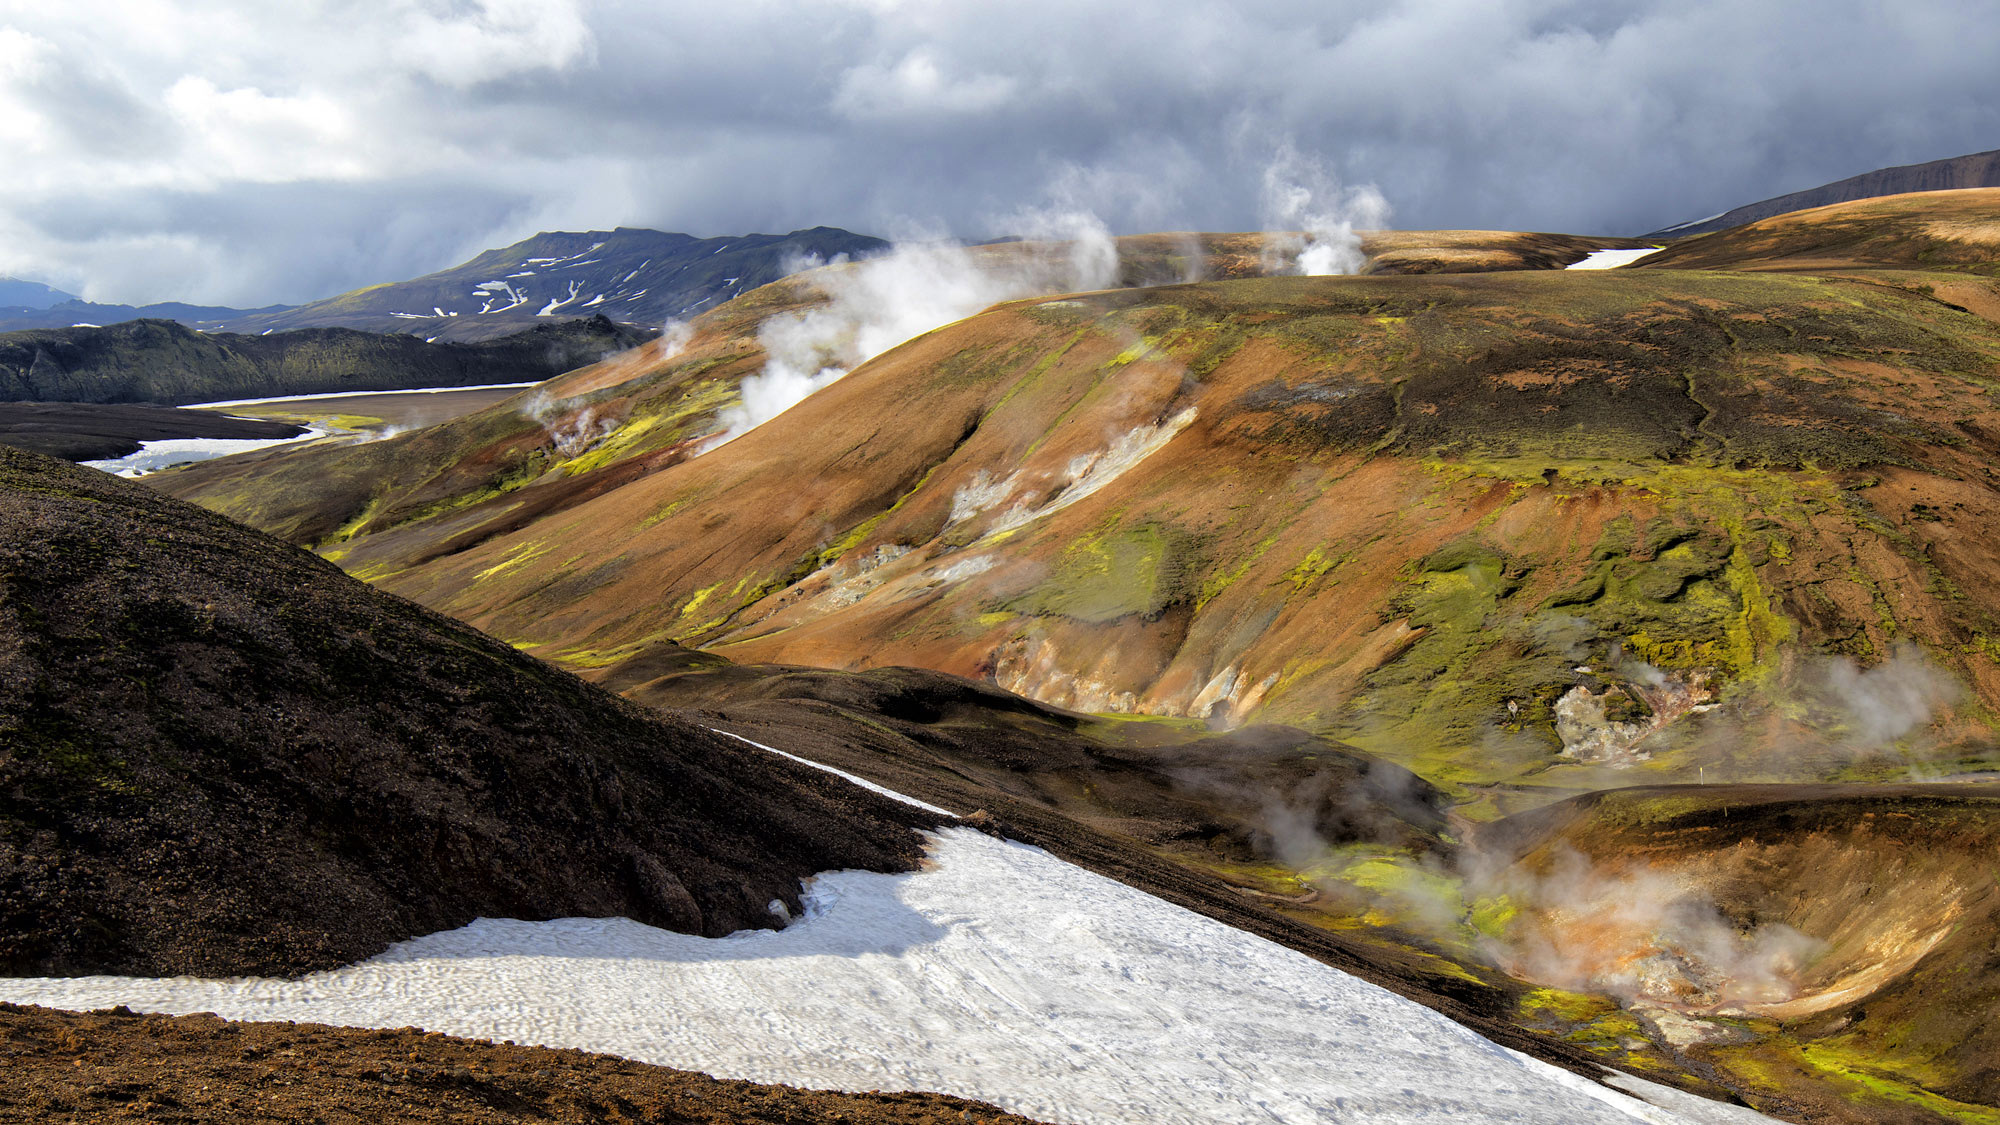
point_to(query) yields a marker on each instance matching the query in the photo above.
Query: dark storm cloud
(217, 151)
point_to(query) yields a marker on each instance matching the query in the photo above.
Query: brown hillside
(1949, 232)
(1975, 170)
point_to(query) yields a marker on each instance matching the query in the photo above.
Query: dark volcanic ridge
(221, 756)
(162, 361)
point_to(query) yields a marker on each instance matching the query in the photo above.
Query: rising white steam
(570, 426)
(1868, 709)
(879, 303)
(1641, 935)
(1312, 224)
(675, 336)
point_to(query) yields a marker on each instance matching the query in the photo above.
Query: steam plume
(1302, 195)
(571, 426)
(876, 304)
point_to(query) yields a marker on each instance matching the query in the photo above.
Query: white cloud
(918, 87)
(296, 149)
(249, 135)
(463, 46)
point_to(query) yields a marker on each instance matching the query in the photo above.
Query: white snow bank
(355, 394)
(861, 781)
(998, 973)
(153, 456)
(1612, 259)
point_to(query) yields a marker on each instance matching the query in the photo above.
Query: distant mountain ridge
(631, 275)
(78, 313)
(30, 294)
(1979, 169)
(167, 362)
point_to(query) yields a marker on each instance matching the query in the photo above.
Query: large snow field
(1611, 259)
(999, 972)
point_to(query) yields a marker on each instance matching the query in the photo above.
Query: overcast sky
(249, 152)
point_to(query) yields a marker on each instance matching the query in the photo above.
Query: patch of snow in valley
(490, 291)
(1612, 259)
(168, 452)
(998, 972)
(594, 248)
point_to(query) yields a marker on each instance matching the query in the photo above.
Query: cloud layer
(216, 151)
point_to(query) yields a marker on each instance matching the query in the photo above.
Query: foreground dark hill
(219, 755)
(163, 361)
(1976, 170)
(633, 276)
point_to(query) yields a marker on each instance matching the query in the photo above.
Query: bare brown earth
(1392, 506)
(117, 1066)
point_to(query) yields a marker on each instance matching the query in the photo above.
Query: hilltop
(1941, 233)
(18, 294)
(1976, 170)
(631, 275)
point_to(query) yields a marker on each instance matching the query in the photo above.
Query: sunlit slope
(1952, 232)
(1386, 508)
(454, 485)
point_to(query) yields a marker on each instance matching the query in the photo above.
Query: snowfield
(164, 453)
(1611, 259)
(998, 972)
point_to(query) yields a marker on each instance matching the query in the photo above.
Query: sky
(243, 152)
